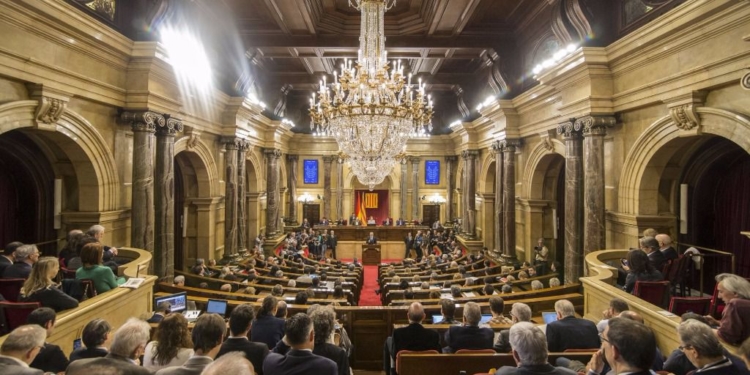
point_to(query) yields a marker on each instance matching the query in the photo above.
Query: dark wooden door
(311, 212)
(430, 214)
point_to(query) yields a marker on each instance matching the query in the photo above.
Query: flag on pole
(360, 209)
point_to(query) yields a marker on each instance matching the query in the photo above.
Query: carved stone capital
(496, 147)
(143, 121)
(49, 110)
(469, 154)
(171, 126)
(511, 144)
(292, 158)
(568, 129)
(414, 159)
(451, 158)
(235, 143)
(328, 159)
(594, 125)
(272, 153)
(683, 110)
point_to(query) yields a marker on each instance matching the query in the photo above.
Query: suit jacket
(53, 298)
(268, 330)
(657, 259)
(298, 362)
(12, 366)
(534, 370)
(83, 353)
(468, 337)
(572, 333)
(502, 345)
(255, 352)
(111, 361)
(156, 318)
(334, 353)
(371, 240)
(415, 337)
(50, 359)
(669, 253)
(17, 270)
(193, 366)
(333, 241)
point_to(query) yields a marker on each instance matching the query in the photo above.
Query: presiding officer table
(382, 233)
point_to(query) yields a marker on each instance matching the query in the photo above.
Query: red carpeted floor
(368, 297)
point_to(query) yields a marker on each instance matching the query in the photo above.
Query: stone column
(415, 188)
(291, 164)
(327, 164)
(497, 149)
(231, 145)
(164, 197)
(404, 167)
(450, 163)
(339, 188)
(142, 207)
(242, 240)
(573, 201)
(272, 191)
(594, 128)
(470, 192)
(509, 197)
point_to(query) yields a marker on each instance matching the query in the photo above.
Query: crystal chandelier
(370, 108)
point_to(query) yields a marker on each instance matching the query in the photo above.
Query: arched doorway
(546, 205)
(487, 210)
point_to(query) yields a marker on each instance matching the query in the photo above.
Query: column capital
(328, 159)
(506, 145)
(569, 130)
(171, 126)
(143, 121)
(272, 153)
(292, 158)
(235, 143)
(414, 159)
(469, 154)
(451, 158)
(594, 125)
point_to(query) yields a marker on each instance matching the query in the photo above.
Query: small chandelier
(371, 109)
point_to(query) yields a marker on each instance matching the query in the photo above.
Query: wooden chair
(654, 292)
(698, 305)
(398, 356)
(89, 291)
(16, 314)
(10, 289)
(677, 274)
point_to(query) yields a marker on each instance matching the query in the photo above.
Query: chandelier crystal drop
(370, 108)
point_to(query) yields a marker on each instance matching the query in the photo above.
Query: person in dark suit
(95, 334)
(24, 257)
(267, 328)
(6, 258)
(409, 242)
(208, 335)
(371, 240)
(299, 360)
(20, 348)
(629, 347)
(240, 323)
(665, 246)
(569, 332)
(127, 346)
(333, 241)
(412, 337)
(51, 358)
(529, 349)
(162, 310)
(324, 320)
(469, 336)
(651, 247)
(353, 219)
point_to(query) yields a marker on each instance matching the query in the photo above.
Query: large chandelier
(370, 108)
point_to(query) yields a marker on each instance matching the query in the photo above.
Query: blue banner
(432, 172)
(311, 171)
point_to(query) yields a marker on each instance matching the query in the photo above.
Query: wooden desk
(371, 255)
(389, 233)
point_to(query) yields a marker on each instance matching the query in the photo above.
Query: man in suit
(655, 257)
(469, 336)
(333, 241)
(239, 326)
(208, 334)
(665, 246)
(127, 346)
(400, 222)
(569, 332)
(520, 312)
(51, 358)
(409, 242)
(24, 257)
(628, 346)
(530, 352)
(95, 334)
(412, 337)
(300, 336)
(352, 219)
(6, 258)
(324, 221)
(162, 309)
(20, 348)
(371, 240)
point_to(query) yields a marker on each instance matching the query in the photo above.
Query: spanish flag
(360, 209)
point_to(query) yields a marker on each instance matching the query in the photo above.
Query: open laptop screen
(549, 317)
(177, 301)
(217, 306)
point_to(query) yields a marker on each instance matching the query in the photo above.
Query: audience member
(529, 349)
(734, 326)
(69, 251)
(171, 346)
(665, 247)
(39, 287)
(20, 348)
(300, 336)
(179, 280)
(519, 312)
(103, 277)
(703, 349)
(627, 346)
(497, 306)
(267, 328)
(23, 258)
(95, 336)
(536, 285)
(448, 312)
(51, 358)
(301, 298)
(281, 310)
(616, 306)
(97, 231)
(412, 337)
(233, 363)
(7, 257)
(569, 332)
(162, 309)
(554, 282)
(127, 346)
(469, 335)
(324, 320)
(240, 322)
(207, 335)
(639, 269)
(651, 247)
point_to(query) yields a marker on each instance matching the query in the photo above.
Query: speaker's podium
(371, 254)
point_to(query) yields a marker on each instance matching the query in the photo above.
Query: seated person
(103, 277)
(172, 345)
(705, 351)
(448, 311)
(414, 337)
(569, 332)
(469, 336)
(50, 358)
(267, 328)
(520, 312)
(127, 345)
(95, 336)
(530, 352)
(240, 322)
(300, 359)
(734, 326)
(639, 269)
(24, 257)
(20, 348)
(371, 221)
(39, 287)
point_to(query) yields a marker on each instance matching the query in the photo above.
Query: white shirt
(183, 354)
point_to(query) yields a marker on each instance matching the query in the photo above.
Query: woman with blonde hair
(172, 345)
(39, 287)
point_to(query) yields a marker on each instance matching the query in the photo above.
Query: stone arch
(639, 182)
(487, 173)
(82, 144)
(537, 165)
(204, 164)
(253, 168)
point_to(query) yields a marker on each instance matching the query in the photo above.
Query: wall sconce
(305, 198)
(437, 199)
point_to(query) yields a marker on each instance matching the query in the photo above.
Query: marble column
(231, 145)
(594, 129)
(164, 197)
(404, 167)
(470, 192)
(242, 239)
(450, 163)
(497, 148)
(272, 191)
(415, 188)
(573, 201)
(509, 197)
(327, 165)
(339, 189)
(291, 164)
(142, 207)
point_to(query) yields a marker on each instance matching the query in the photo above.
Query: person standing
(333, 241)
(541, 256)
(409, 242)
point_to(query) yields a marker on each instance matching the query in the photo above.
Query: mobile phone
(624, 262)
(77, 344)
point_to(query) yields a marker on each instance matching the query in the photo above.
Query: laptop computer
(217, 306)
(192, 312)
(549, 317)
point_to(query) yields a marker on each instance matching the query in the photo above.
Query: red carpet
(367, 296)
